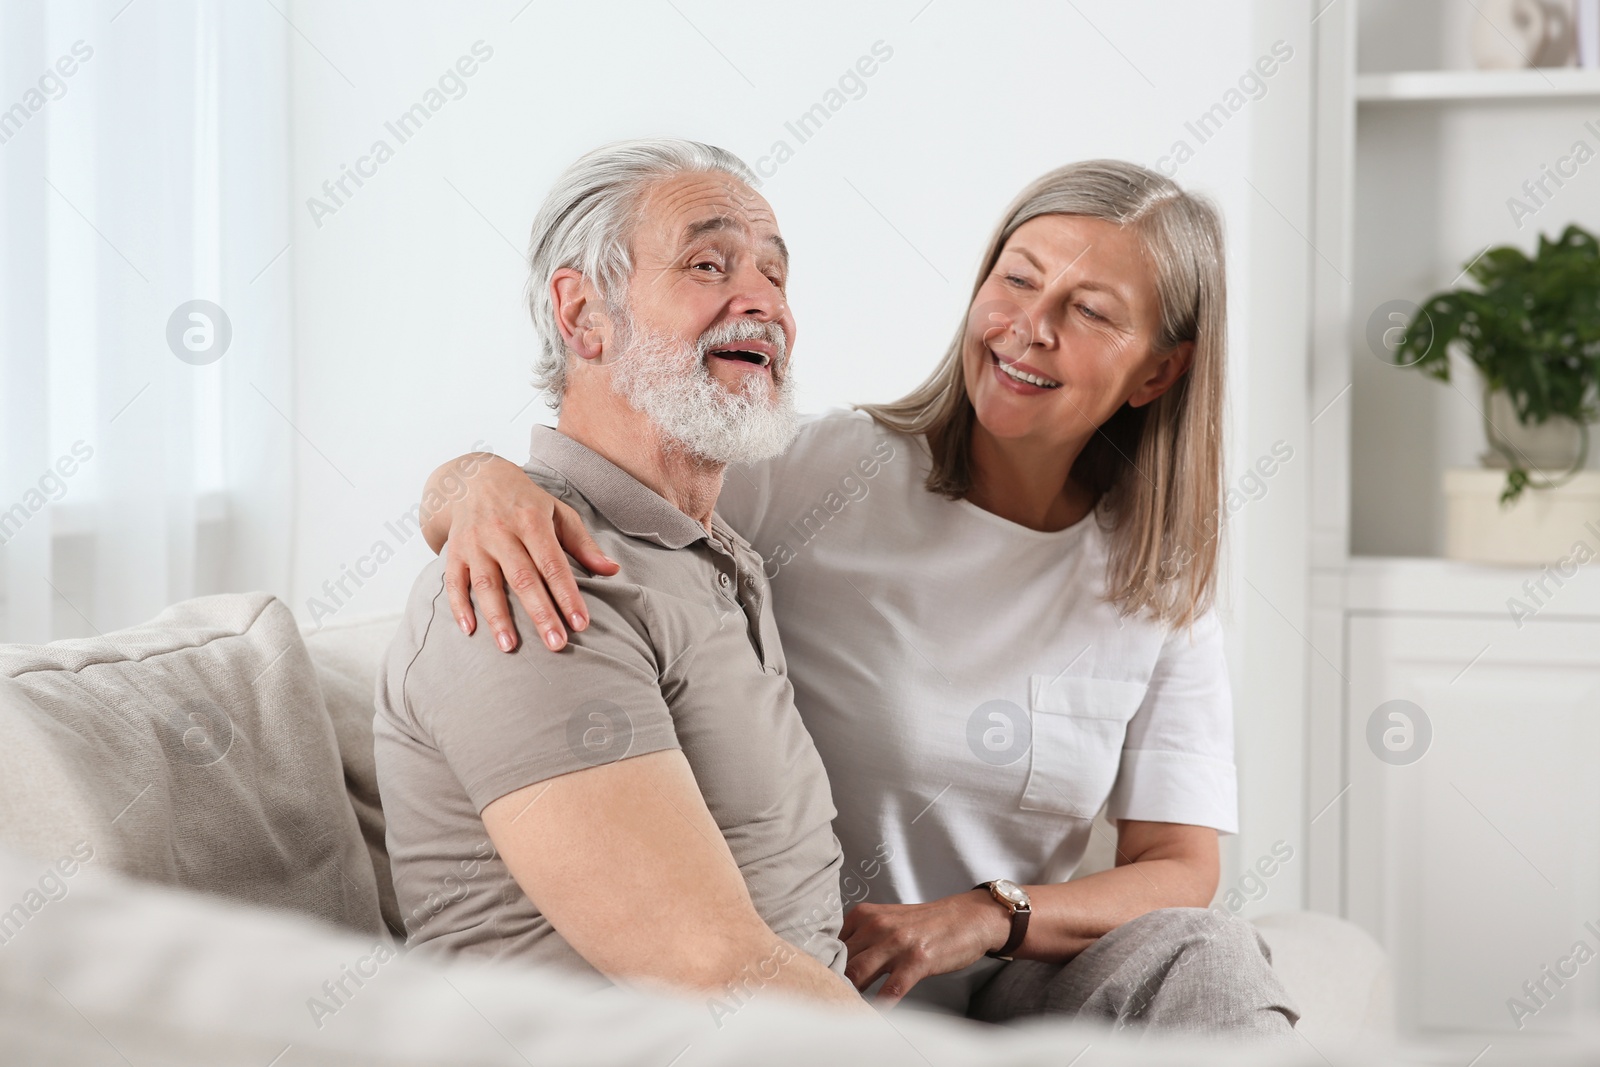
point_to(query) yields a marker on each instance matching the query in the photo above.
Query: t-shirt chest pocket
(1078, 729)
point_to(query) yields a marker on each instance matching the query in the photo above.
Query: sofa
(224, 755)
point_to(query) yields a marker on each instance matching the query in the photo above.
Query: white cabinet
(1478, 864)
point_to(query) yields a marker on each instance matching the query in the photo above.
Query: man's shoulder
(426, 610)
(611, 540)
(554, 482)
(433, 670)
(427, 625)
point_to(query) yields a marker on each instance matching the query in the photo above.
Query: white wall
(412, 343)
(1269, 531)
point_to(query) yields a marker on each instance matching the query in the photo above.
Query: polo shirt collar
(627, 503)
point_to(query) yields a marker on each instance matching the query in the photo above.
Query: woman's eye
(708, 265)
(1013, 279)
(1090, 312)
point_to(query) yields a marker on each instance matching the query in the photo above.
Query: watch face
(1010, 892)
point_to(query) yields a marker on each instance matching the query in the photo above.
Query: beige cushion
(1335, 971)
(191, 751)
(347, 655)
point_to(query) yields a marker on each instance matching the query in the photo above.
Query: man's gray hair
(587, 221)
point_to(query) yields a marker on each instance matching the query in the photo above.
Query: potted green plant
(1532, 328)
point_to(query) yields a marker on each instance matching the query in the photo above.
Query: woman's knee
(1198, 928)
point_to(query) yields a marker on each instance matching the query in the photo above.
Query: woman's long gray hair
(1159, 467)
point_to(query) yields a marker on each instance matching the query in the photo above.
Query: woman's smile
(1021, 377)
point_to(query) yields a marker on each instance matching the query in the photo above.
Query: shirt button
(722, 580)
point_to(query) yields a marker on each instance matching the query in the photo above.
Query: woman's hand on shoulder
(503, 529)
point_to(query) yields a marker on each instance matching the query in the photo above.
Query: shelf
(1380, 585)
(1446, 85)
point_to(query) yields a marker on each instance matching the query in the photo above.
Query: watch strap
(1020, 914)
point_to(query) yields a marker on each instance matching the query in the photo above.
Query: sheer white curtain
(143, 169)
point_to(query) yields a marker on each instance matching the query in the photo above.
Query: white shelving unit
(1443, 85)
(1477, 864)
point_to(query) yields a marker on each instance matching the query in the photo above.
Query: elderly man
(646, 804)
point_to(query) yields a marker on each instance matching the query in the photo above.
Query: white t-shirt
(974, 697)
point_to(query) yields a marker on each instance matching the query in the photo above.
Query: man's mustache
(748, 330)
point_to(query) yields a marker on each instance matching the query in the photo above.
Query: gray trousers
(1183, 969)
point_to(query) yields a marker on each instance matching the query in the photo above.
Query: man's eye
(708, 265)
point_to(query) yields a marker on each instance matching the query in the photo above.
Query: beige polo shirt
(681, 653)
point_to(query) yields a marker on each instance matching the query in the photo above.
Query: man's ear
(580, 314)
(1172, 367)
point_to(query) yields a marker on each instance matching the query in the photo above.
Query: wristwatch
(1015, 900)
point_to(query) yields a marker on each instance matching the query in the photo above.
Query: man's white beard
(669, 382)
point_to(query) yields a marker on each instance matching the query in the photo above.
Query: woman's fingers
(531, 561)
(509, 555)
(907, 972)
(487, 583)
(527, 583)
(537, 572)
(488, 590)
(574, 537)
(870, 943)
(456, 585)
(868, 965)
(905, 965)
(906, 942)
(517, 534)
(544, 540)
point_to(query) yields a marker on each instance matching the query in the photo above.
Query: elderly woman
(995, 597)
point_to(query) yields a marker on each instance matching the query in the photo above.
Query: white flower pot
(1548, 450)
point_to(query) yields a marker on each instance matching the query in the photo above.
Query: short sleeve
(504, 721)
(1177, 757)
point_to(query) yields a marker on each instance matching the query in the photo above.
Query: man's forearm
(628, 865)
(758, 961)
(803, 975)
